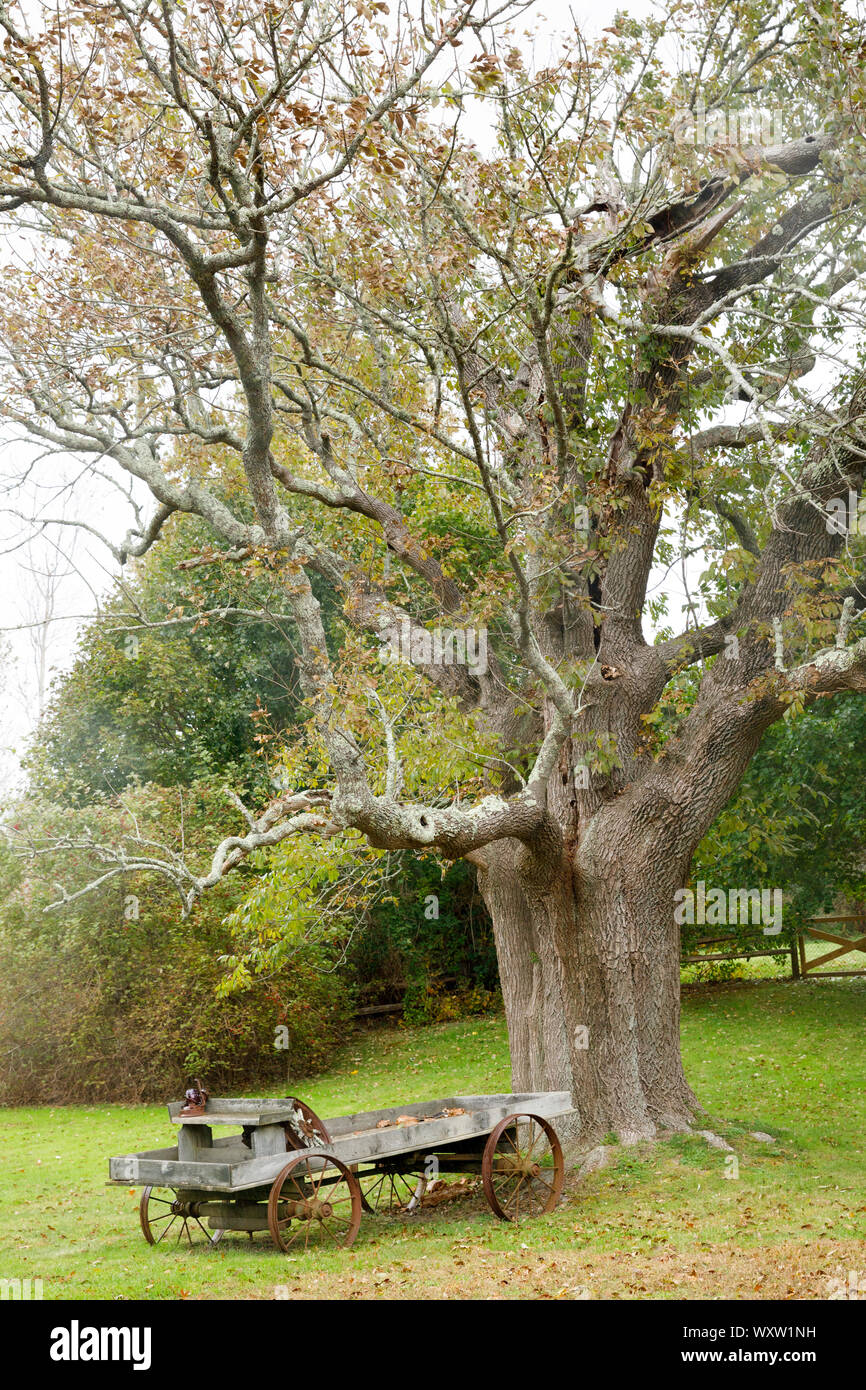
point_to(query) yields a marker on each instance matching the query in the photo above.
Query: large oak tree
(488, 334)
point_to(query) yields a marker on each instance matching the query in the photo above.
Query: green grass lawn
(664, 1222)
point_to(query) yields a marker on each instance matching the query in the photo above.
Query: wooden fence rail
(801, 965)
(791, 951)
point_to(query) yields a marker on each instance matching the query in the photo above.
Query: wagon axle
(310, 1210)
(186, 1208)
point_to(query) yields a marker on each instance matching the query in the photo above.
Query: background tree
(799, 815)
(45, 568)
(187, 673)
(116, 998)
(592, 332)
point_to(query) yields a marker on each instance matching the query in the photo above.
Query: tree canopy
(485, 333)
(270, 238)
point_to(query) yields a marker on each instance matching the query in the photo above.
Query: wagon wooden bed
(306, 1181)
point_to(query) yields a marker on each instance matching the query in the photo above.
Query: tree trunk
(589, 958)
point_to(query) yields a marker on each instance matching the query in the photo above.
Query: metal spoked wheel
(167, 1219)
(522, 1168)
(392, 1191)
(316, 1200)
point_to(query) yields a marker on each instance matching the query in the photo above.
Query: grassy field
(664, 1222)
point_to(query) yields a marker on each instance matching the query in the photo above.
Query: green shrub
(430, 947)
(97, 1007)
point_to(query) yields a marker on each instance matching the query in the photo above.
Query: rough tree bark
(590, 965)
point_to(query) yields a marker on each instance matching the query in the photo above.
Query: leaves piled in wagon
(420, 1119)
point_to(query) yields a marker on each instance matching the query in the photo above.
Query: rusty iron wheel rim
(178, 1219)
(525, 1177)
(294, 1141)
(303, 1200)
(392, 1191)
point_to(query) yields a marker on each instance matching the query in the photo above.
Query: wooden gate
(844, 944)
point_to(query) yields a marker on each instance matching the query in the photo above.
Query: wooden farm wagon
(307, 1181)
